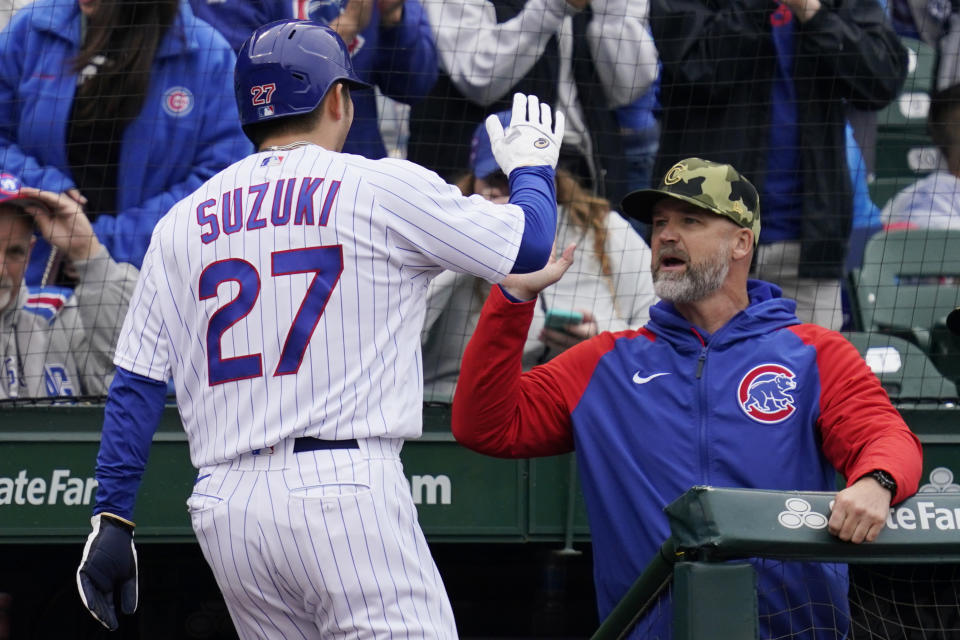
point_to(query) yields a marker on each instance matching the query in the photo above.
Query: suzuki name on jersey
(300, 201)
(60, 488)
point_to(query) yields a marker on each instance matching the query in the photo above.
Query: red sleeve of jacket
(860, 428)
(501, 411)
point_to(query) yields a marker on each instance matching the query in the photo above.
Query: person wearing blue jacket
(237, 19)
(724, 386)
(390, 42)
(100, 100)
(391, 46)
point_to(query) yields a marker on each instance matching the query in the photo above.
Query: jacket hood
(768, 311)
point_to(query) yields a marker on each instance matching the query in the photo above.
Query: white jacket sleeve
(622, 48)
(485, 59)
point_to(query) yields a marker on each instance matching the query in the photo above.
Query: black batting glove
(108, 569)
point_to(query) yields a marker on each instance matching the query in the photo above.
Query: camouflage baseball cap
(713, 186)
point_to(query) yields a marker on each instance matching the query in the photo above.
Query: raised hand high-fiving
(533, 137)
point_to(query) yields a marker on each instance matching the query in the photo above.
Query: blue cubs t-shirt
(781, 199)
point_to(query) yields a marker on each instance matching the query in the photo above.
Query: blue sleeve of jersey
(132, 414)
(535, 191)
(506, 294)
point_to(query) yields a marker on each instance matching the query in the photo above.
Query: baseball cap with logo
(716, 187)
(10, 192)
(482, 162)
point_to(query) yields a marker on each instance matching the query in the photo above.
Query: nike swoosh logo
(640, 380)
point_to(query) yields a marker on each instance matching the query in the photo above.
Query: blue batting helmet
(286, 67)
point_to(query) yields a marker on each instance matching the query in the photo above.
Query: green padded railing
(710, 527)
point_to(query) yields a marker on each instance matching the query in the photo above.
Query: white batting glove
(532, 139)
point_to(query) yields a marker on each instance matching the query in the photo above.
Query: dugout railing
(48, 452)
(714, 597)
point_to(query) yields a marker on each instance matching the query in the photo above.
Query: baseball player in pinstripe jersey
(285, 298)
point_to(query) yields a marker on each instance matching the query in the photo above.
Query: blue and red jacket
(765, 402)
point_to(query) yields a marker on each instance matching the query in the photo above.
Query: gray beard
(696, 282)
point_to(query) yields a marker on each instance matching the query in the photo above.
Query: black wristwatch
(885, 479)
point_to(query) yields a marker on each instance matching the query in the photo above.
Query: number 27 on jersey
(325, 262)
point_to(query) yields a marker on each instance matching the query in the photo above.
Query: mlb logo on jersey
(271, 161)
(764, 393)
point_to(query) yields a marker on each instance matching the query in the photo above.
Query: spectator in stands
(865, 222)
(237, 19)
(640, 130)
(392, 47)
(937, 23)
(723, 386)
(54, 342)
(934, 200)
(764, 86)
(586, 57)
(919, 19)
(125, 106)
(611, 286)
(390, 43)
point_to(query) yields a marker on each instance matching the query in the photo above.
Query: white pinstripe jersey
(287, 294)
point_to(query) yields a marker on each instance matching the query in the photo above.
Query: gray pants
(818, 300)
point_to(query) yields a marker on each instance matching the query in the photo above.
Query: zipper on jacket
(703, 352)
(702, 393)
(702, 397)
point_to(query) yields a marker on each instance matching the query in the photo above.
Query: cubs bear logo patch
(765, 393)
